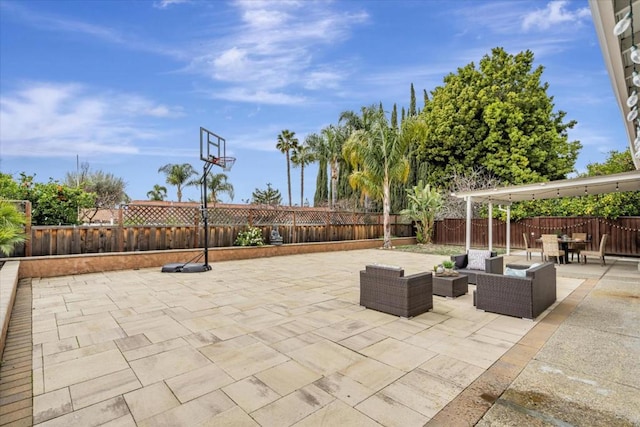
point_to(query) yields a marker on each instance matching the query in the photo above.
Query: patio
(282, 341)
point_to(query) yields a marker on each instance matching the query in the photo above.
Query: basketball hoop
(226, 163)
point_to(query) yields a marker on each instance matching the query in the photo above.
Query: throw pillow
(461, 262)
(476, 259)
(508, 271)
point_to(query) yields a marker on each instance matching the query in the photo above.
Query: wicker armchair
(386, 289)
(525, 297)
(494, 264)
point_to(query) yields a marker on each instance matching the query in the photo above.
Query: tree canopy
(270, 196)
(500, 117)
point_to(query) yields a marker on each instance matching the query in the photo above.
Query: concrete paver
(283, 341)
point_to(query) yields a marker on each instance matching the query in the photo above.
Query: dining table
(564, 242)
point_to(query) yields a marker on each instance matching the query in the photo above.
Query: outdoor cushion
(461, 262)
(508, 271)
(476, 259)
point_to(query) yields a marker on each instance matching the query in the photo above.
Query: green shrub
(250, 237)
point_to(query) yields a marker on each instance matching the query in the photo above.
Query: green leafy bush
(250, 237)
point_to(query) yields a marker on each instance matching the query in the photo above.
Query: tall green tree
(287, 142)
(217, 184)
(394, 117)
(269, 196)
(158, 193)
(377, 154)
(179, 175)
(302, 156)
(331, 151)
(316, 143)
(412, 102)
(500, 117)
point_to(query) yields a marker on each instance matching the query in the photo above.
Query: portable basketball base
(212, 152)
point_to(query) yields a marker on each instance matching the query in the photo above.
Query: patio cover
(626, 181)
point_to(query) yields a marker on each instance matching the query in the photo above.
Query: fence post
(196, 223)
(295, 230)
(121, 227)
(27, 228)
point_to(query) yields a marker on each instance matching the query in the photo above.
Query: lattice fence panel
(311, 217)
(229, 216)
(160, 215)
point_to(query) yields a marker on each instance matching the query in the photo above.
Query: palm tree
(12, 224)
(377, 153)
(331, 149)
(287, 141)
(424, 203)
(158, 193)
(178, 175)
(302, 156)
(217, 184)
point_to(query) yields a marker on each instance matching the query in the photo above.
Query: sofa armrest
(417, 276)
(494, 265)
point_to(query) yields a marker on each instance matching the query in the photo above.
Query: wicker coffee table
(450, 286)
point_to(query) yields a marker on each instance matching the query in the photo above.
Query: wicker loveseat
(492, 264)
(525, 297)
(386, 289)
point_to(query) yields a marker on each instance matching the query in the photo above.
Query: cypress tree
(412, 102)
(394, 117)
(322, 185)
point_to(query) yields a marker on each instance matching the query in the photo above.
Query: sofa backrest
(385, 270)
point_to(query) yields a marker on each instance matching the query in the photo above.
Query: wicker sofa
(493, 264)
(525, 297)
(387, 289)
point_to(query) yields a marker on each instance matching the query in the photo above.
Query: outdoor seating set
(522, 291)
(559, 247)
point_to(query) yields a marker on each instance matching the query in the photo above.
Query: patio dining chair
(550, 247)
(577, 247)
(599, 253)
(530, 250)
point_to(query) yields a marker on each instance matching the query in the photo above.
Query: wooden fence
(159, 227)
(147, 228)
(624, 233)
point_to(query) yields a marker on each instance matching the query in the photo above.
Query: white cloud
(273, 50)
(554, 14)
(53, 120)
(163, 4)
(239, 94)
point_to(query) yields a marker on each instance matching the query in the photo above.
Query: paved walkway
(282, 341)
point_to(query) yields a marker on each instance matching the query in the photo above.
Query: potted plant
(448, 265)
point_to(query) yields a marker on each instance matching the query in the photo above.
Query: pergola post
(468, 229)
(508, 229)
(490, 226)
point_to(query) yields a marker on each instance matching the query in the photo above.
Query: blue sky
(126, 86)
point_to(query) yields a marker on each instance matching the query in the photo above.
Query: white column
(490, 226)
(508, 229)
(468, 230)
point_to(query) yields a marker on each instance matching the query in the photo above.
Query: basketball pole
(205, 214)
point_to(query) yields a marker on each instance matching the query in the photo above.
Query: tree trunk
(334, 182)
(386, 210)
(301, 184)
(289, 177)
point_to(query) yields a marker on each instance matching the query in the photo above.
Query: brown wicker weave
(450, 286)
(525, 297)
(491, 265)
(386, 289)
